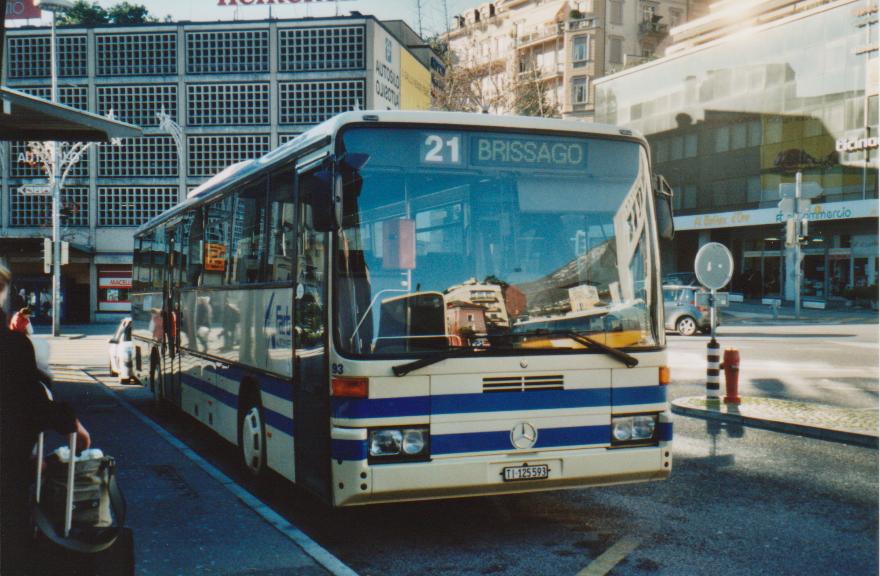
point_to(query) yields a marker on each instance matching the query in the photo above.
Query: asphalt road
(740, 501)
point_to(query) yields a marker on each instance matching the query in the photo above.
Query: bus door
(170, 385)
(311, 391)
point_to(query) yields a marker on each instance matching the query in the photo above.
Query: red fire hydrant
(731, 376)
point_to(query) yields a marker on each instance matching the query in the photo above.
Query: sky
(433, 11)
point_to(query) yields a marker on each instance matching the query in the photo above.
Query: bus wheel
(686, 326)
(252, 436)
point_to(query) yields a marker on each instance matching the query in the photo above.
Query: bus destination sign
(523, 151)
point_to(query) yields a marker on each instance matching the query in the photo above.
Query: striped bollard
(713, 369)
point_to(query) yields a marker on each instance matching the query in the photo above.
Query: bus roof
(328, 129)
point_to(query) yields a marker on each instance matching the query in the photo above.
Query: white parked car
(121, 352)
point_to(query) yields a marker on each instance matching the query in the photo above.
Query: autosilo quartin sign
(273, 2)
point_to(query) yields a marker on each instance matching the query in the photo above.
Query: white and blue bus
(411, 305)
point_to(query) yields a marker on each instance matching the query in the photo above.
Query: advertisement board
(386, 71)
(415, 83)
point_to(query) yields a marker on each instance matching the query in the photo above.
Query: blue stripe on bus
(220, 394)
(274, 386)
(495, 402)
(500, 440)
(278, 421)
(638, 395)
(664, 432)
(348, 449)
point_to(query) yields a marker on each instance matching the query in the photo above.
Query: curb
(840, 436)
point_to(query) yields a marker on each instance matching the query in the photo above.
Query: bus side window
(282, 227)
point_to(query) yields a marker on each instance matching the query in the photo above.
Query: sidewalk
(188, 518)
(845, 425)
(744, 313)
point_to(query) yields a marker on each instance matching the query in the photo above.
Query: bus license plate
(514, 473)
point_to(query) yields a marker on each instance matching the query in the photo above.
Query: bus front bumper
(357, 482)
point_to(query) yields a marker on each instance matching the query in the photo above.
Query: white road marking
(606, 561)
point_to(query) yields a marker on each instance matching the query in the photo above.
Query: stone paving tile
(860, 421)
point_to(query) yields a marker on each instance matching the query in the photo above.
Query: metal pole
(797, 246)
(56, 199)
(713, 357)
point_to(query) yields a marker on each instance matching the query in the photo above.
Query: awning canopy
(26, 117)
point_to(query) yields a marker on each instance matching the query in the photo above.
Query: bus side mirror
(663, 206)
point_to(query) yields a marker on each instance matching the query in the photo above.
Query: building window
(285, 138)
(136, 54)
(690, 145)
(314, 48)
(616, 12)
(314, 102)
(29, 56)
(674, 17)
(579, 90)
(25, 210)
(26, 169)
(73, 96)
(722, 138)
(138, 104)
(225, 104)
(208, 155)
(132, 206)
(148, 156)
(227, 51)
(580, 51)
(616, 50)
(738, 136)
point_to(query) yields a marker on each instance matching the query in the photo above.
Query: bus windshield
(455, 238)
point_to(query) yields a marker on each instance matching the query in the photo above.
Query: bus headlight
(395, 444)
(627, 429)
(413, 441)
(385, 442)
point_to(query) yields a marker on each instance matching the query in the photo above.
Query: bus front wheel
(252, 437)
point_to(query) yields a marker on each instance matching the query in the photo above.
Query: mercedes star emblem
(523, 436)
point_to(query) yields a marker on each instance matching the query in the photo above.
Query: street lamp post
(55, 6)
(167, 124)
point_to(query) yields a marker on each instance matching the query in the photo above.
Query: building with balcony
(236, 89)
(746, 98)
(542, 56)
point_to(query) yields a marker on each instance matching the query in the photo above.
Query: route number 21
(439, 150)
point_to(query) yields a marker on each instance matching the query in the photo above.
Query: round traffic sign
(714, 266)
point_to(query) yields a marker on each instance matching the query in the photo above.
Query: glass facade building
(732, 121)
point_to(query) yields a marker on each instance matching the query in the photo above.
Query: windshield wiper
(587, 342)
(404, 369)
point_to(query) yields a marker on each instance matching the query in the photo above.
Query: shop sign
(817, 213)
(846, 144)
(272, 2)
(386, 86)
(22, 9)
(114, 282)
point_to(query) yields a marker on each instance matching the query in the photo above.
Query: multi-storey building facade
(236, 90)
(746, 98)
(514, 49)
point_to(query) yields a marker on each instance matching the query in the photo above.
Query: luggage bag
(89, 544)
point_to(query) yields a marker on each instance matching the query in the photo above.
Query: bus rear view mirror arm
(663, 201)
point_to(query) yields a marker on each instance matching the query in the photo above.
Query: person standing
(25, 411)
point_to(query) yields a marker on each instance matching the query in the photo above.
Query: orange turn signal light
(350, 387)
(664, 375)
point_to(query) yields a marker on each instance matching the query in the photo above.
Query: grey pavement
(186, 521)
(744, 313)
(848, 425)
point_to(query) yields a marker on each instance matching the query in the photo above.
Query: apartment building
(513, 51)
(234, 90)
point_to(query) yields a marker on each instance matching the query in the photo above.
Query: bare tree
(530, 97)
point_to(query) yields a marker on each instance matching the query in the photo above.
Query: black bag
(87, 543)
